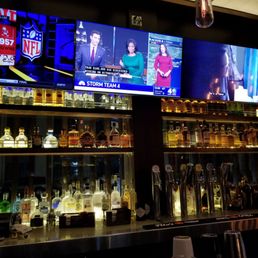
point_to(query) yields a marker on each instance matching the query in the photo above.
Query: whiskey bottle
(87, 138)
(26, 207)
(50, 141)
(73, 138)
(36, 138)
(171, 136)
(125, 137)
(59, 99)
(38, 96)
(7, 141)
(21, 140)
(63, 139)
(114, 136)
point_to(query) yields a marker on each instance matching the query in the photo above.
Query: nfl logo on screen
(31, 42)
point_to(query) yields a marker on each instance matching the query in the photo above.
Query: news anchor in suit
(91, 54)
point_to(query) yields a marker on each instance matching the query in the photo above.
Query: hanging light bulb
(204, 13)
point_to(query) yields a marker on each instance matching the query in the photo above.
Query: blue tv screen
(36, 50)
(219, 71)
(121, 60)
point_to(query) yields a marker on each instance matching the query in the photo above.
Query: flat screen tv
(121, 60)
(219, 71)
(36, 50)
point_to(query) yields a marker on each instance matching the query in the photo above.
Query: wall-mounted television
(121, 60)
(219, 71)
(36, 50)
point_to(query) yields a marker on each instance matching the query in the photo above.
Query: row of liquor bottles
(221, 108)
(79, 136)
(208, 134)
(195, 191)
(63, 98)
(97, 198)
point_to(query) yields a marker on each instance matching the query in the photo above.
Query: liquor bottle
(48, 98)
(126, 103)
(115, 196)
(217, 135)
(87, 196)
(125, 137)
(34, 202)
(171, 136)
(18, 96)
(212, 141)
(17, 204)
(50, 141)
(63, 139)
(26, 207)
(59, 99)
(68, 98)
(7, 141)
(7, 95)
(78, 98)
(104, 101)
(118, 101)
(224, 137)
(205, 135)
(87, 138)
(36, 138)
(28, 96)
(114, 136)
(5, 205)
(21, 140)
(56, 203)
(38, 96)
(73, 138)
(198, 137)
(97, 199)
(44, 206)
(89, 100)
(79, 204)
(126, 198)
(101, 139)
(112, 101)
(68, 202)
(106, 200)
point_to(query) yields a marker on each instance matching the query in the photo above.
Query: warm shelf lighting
(204, 13)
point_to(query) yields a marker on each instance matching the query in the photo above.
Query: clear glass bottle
(44, 206)
(68, 202)
(7, 141)
(89, 100)
(97, 201)
(79, 204)
(18, 95)
(26, 207)
(106, 201)
(28, 96)
(68, 98)
(87, 196)
(17, 204)
(78, 99)
(50, 141)
(115, 196)
(55, 203)
(21, 140)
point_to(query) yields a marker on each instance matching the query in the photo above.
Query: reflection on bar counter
(63, 98)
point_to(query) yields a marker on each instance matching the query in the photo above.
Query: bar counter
(43, 242)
